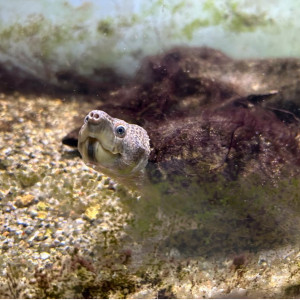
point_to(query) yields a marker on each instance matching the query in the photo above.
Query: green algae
(27, 179)
(231, 17)
(216, 14)
(51, 44)
(178, 7)
(81, 277)
(42, 36)
(106, 27)
(189, 29)
(216, 217)
(246, 22)
(128, 21)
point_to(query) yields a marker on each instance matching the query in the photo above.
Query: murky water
(219, 214)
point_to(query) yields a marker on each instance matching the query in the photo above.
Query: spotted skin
(113, 146)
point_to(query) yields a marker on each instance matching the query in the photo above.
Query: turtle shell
(208, 114)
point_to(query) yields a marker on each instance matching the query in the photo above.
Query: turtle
(207, 142)
(195, 113)
(113, 146)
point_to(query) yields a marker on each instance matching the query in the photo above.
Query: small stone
(22, 223)
(56, 243)
(104, 227)
(2, 192)
(238, 293)
(42, 215)
(85, 168)
(32, 280)
(45, 246)
(45, 255)
(174, 253)
(40, 237)
(33, 213)
(107, 181)
(5, 247)
(35, 256)
(24, 201)
(19, 232)
(79, 221)
(100, 186)
(29, 230)
(59, 232)
(8, 151)
(92, 211)
(42, 206)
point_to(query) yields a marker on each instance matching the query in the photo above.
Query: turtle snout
(94, 117)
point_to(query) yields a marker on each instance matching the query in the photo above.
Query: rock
(92, 211)
(45, 255)
(25, 201)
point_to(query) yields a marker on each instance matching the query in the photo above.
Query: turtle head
(113, 146)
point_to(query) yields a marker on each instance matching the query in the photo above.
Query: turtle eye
(86, 119)
(120, 131)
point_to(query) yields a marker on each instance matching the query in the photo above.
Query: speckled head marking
(112, 145)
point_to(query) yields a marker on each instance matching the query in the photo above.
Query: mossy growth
(106, 27)
(27, 179)
(245, 22)
(178, 7)
(230, 16)
(217, 216)
(189, 29)
(79, 277)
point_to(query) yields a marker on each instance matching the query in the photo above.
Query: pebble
(174, 253)
(29, 230)
(33, 213)
(21, 222)
(100, 186)
(56, 243)
(42, 215)
(60, 238)
(24, 201)
(35, 255)
(8, 151)
(79, 221)
(92, 211)
(45, 255)
(7, 209)
(85, 168)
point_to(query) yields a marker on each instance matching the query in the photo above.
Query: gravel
(68, 231)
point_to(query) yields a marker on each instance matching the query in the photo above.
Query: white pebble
(45, 255)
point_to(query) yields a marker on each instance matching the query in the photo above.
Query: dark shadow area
(63, 84)
(292, 291)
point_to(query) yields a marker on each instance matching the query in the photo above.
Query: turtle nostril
(96, 116)
(91, 114)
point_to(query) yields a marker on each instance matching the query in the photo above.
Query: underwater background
(67, 231)
(45, 37)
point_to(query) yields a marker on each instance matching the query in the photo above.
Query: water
(43, 39)
(75, 231)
